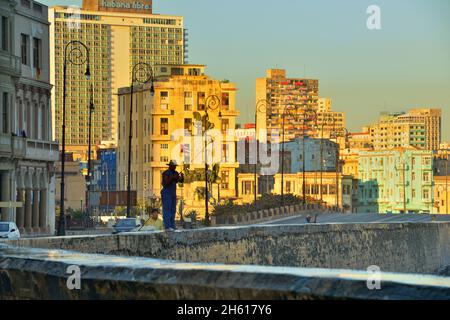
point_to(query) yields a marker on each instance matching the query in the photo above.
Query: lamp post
(261, 107)
(77, 55)
(308, 115)
(212, 103)
(446, 184)
(445, 158)
(105, 173)
(285, 110)
(89, 173)
(324, 123)
(142, 73)
(338, 133)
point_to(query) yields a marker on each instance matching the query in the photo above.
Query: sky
(404, 65)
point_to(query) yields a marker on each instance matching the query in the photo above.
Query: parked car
(9, 230)
(127, 225)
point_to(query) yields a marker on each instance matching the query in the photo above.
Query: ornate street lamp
(212, 103)
(261, 107)
(309, 115)
(89, 168)
(341, 132)
(77, 55)
(142, 73)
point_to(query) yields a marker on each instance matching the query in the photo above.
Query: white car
(9, 230)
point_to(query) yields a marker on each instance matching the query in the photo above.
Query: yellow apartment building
(168, 126)
(420, 128)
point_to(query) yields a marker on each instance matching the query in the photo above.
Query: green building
(395, 181)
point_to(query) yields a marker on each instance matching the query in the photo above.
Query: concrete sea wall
(28, 273)
(397, 247)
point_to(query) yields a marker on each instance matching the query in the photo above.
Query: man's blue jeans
(169, 204)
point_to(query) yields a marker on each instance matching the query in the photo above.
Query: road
(361, 218)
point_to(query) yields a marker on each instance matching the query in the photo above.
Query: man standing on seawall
(170, 178)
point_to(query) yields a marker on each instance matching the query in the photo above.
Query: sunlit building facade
(168, 126)
(419, 128)
(396, 181)
(282, 93)
(118, 38)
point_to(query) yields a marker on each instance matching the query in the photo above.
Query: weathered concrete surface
(399, 247)
(27, 273)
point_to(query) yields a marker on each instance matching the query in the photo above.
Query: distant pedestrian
(170, 178)
(154, 223)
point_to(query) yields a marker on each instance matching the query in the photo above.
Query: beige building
(419, 128)
(349, 162)
(432, 119)
(119, 35)
(293, 183)
(328, 121)
(166, 126)
(441, 194)
(360, 140)
(27, 152)
(75, 186)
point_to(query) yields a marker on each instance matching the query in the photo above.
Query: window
(4, 26)
(247, 187)
(225, 125)
(426, 176)
(188, 127)
(289, 186)
(5, 107)
(186, 150)
(225, 100)
(164, 125)
(225, 153)
(24, 48)
(165, 146)
(225, 180)
(201, 101)
(37, 64)
(426, 194)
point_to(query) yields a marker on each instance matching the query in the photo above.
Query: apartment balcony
(28, 149)
(10, 64)
(41, 150)
(160, 137)
(229, 113)
(162, 112)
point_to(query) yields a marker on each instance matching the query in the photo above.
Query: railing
(10, 63)
(19, 147)
(42, 150)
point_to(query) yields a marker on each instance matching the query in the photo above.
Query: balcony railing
(10, 63)
(23, 148)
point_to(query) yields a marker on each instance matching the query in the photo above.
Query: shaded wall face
(406, 248)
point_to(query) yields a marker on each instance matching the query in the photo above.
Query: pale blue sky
(404, 65)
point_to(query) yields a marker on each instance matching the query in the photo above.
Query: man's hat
(172, 163)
